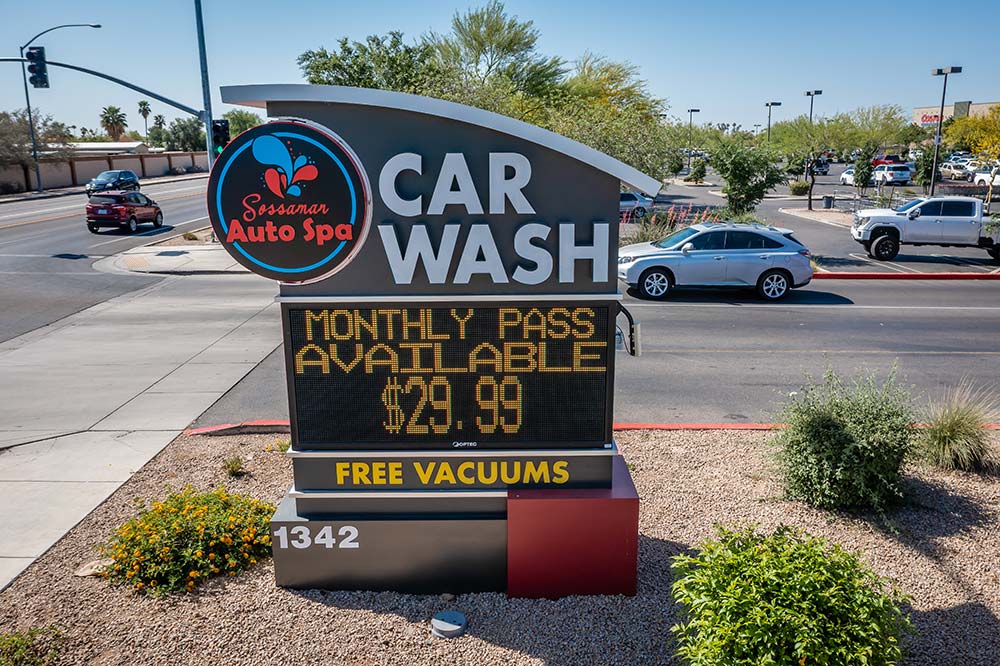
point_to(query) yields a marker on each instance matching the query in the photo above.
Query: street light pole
(27, 97)
(206, 90)
(811, 94)
(691, 113)
(769, 105)
(945, 71)
(756, 129)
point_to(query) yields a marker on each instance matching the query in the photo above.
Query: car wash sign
(358, 192)
(449, 301)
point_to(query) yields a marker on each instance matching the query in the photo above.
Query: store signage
(461, 376)
(290, 201)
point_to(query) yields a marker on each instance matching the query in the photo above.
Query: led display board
(464, 375)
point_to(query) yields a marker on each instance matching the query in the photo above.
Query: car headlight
(626, 260)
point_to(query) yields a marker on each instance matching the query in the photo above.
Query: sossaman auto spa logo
(290, 201)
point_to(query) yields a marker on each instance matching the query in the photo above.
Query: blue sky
(725, 57)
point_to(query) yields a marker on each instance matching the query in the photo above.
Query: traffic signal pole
(206, 90)
(31, 126)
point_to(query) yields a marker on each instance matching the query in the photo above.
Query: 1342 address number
(301, 537)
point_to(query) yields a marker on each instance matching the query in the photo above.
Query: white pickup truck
(945, 221)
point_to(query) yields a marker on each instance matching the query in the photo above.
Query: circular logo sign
(290, 201)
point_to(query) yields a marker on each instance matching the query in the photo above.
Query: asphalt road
(46, 254)
(726, 357)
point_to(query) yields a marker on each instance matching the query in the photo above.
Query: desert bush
(234, 467)
(784, 598)
(188, 235)
(39, 646)
(955, 436)
(798, 187)
(697, 174)
(175, 544)
(844, 444)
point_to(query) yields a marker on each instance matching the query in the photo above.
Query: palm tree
(113, 121)
(159, 121)
(144, 112)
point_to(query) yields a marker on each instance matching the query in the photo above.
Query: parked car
(982, 177)
(122, 179)
(887, 159)
(847, 178)
(718, 254)
(947, 221)
(915, 153)
(634, 204)
(952, 171)
(892, 174)
(821, 168)
(122, 210)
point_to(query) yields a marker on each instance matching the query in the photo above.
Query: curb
(280, 426)
(824, 275)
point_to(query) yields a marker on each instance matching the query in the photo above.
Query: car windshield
(909, 204)
(676, 237)
(106, 176)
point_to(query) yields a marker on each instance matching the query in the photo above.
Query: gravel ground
(944, 550)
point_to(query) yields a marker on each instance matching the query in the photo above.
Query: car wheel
(639, 212)
(93, 228)
(885, 248)
(132, 225)
(158, 220)
(654, 284)
(773, 285)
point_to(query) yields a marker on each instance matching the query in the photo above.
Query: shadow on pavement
(953, 629)
(737, 296)
(145, 231)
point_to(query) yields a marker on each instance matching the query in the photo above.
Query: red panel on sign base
(564, 542)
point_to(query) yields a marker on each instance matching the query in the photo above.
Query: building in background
(927, 116)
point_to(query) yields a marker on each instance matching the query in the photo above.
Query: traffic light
(220, 135)
(37, 68)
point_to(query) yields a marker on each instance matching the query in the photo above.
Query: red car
(887, 159)
(122, 210)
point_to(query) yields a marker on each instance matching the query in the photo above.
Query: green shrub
(784, 598)
(956, 436)
(697, 174)
(185, 539)
(675, 163)
(843, 445)
(799, 187)
(234, 467)
(38, 646)
(283, 445)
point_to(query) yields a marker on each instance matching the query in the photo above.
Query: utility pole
(691, 113)
(945, 71)
(206, 90)
(769, 105)
(811, 94)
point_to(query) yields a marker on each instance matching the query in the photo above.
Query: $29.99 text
(500, 402)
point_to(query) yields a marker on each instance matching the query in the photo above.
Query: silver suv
(715, 254)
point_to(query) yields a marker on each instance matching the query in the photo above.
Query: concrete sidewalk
(87, 401)
(202, 259)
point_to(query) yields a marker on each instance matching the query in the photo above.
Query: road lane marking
(146, 233)
(49, 256)
(41, 211)
(962, 261)
(75, 214)
(899, 268)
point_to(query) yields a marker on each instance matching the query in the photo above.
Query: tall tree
(750, 172)
(113, 121)
(241, 120)
(144, 111)
(159, 121)
(382, 62)
(186, 134)
(486, 42)
(15, 139)
(804, 142)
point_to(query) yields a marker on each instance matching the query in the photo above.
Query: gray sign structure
(404, 448)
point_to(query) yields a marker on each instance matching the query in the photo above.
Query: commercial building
(927, 116)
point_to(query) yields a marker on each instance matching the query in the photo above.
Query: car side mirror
(914, 214)
(687, 247)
